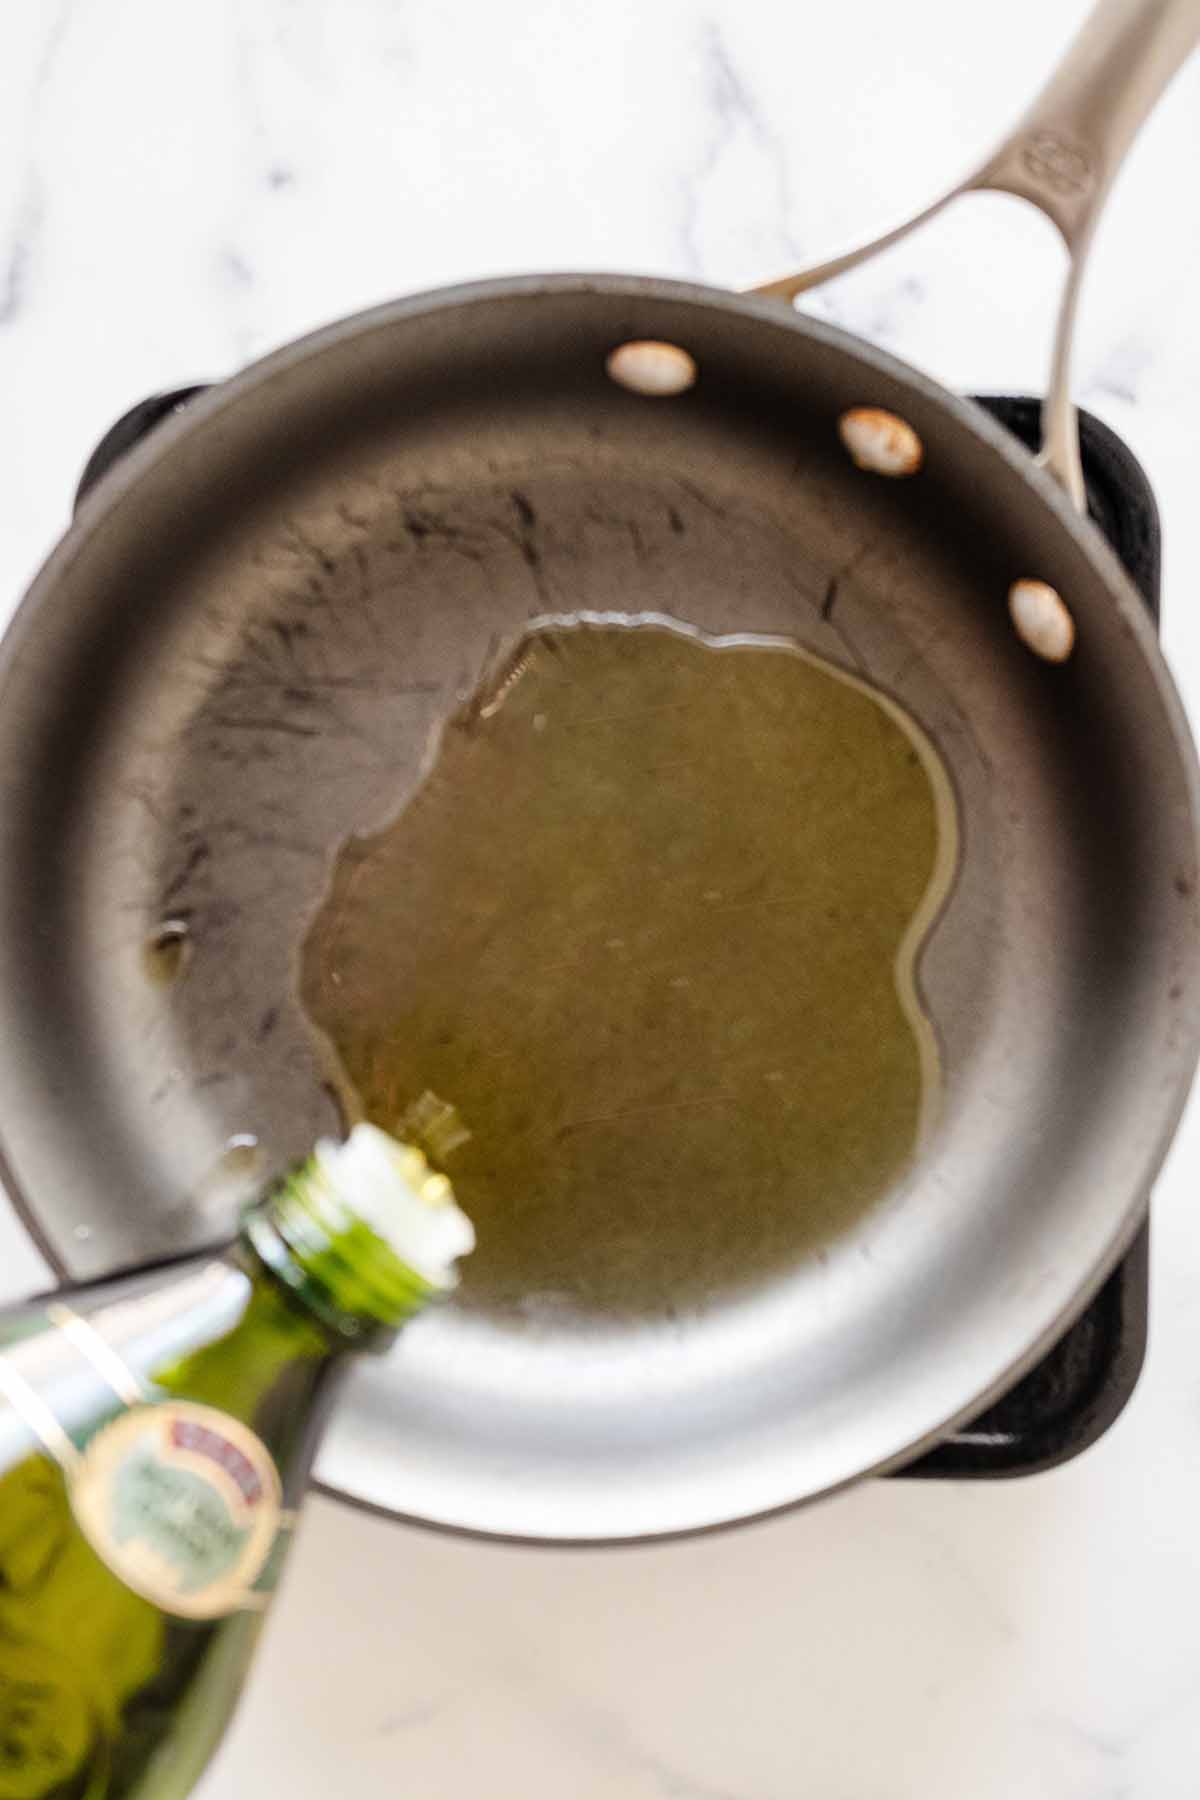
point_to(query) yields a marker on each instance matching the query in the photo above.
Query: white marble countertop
(185, 187)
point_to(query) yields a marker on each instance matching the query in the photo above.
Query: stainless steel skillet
(237, 655)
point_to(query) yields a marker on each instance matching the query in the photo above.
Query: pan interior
(242, 684)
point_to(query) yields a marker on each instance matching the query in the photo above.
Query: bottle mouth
(390, 1187)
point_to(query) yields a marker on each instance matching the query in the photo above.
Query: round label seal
(183, 1503)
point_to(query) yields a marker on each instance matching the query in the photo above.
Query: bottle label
(184, 1504)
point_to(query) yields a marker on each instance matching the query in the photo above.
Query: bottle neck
(235, 1368)
(332, 1263)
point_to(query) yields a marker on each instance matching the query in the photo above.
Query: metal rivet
(881, 441)
(1041, 619)
(646, 366)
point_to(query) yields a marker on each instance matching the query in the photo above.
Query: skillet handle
(1063, 156)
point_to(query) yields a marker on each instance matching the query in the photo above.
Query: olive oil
(652, 921)
(155, 1434)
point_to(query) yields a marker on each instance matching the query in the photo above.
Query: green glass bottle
(155, 1436)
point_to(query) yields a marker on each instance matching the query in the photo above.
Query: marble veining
(742, 144)
(182, 189)
(30, 209)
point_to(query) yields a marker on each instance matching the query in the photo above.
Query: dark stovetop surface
(1082, 1384)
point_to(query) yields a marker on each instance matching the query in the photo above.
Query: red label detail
(187, 1435)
